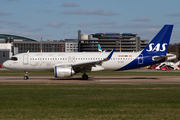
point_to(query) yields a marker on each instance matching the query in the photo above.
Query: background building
(125, 42)
(71, 45)
(23, 44)
(5, 52)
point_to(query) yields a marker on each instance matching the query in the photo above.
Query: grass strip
(69, 101)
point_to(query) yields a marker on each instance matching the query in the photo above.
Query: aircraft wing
(86, 66)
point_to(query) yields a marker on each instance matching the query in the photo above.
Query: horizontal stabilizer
(167, 57)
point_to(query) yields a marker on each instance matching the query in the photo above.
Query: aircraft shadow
(103, 78)
(68, 79)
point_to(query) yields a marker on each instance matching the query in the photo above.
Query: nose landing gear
(26, 76)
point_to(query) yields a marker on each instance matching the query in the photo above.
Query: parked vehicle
(1, 66)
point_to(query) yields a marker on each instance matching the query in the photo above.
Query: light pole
(41, 44)
(120, 45)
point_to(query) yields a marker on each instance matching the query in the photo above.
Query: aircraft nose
(5, 64)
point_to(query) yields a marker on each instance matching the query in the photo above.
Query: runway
(94, 79)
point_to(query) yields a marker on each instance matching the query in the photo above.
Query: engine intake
(62, 72)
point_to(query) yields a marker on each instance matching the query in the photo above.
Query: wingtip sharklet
(110, 55)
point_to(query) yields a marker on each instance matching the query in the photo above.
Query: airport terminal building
(23, 44)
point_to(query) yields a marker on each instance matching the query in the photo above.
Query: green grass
(157, 73)
(70, 101)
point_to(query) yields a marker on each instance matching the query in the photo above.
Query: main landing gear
(84, 76)
(26, 76)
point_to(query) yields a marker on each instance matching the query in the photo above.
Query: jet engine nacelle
(62, 72)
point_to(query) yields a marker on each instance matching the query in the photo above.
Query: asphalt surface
(94, 79)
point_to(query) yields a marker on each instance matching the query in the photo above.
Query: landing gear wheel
(26, 77)
(85, 77)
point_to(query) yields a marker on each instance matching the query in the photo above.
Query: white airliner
(68, 64)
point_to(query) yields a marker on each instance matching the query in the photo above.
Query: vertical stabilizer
(159, 44)
(99, 48)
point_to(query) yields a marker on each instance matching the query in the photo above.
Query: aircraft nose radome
(5, 64)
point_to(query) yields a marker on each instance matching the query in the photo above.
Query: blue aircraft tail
(159, 44)
(154, 52)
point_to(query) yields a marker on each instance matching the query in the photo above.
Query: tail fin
(159, 44)
(99, 48)
(105, 51)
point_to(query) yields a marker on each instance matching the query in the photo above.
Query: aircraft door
(25, 59)
(69, 59)
(140, 59)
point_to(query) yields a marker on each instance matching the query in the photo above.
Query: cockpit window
(14, 58)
